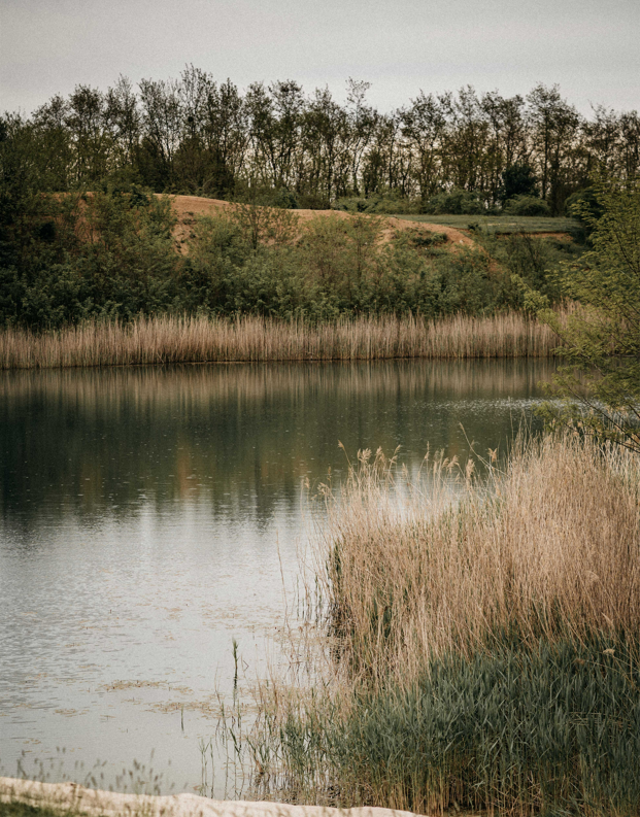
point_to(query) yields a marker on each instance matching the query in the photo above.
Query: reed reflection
(239, 437)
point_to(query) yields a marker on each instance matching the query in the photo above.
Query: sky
(590, 48)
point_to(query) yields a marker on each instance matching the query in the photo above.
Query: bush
(530, 263)
(336, 266)
(313, 201)
(111, 255)
(518, 179)
(585, 207)
(64, 259)
(265, 196)
(456, 202)
(527, 206)
(601, 342)
(377, 204)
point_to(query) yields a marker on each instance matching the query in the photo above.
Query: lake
(150, 517)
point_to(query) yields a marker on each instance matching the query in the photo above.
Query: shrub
(601, 342)
(584, 205)
(312, 201)
(377, 204)
(527, 206)
(68, 258)
(518, 179)
(456, 202)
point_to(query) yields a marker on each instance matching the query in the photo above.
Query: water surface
(149, 517)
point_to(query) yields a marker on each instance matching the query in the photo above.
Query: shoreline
(71, 798)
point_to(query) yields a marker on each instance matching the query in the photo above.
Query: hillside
(187, 208)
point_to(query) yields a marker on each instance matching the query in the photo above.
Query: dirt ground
(187, 208)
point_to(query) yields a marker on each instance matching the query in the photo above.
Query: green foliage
(264, 225)
(110, 254)
(263, 195)
(312, 201)
(584, 206)
(335, 266)
(378, 204)
(550, 730)
(67, 258)
(532, 265)
(518, 179)
(455, 202)
(601, 382)
(527, 206)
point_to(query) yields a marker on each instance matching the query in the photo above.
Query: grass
(23, 810)
(483, 645)
(554, 551)
(169, 339)
(501, 224)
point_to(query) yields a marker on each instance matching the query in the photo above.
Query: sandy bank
(65, 797)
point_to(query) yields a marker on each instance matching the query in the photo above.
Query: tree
(507, 146)
(555, 129)
(519, 179)
(600, 385)
(423, 128)
(163, 122)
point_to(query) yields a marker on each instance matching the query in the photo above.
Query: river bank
(24, 798)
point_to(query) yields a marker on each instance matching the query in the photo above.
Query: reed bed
(183, 339)
(550, 549)
(483, 642)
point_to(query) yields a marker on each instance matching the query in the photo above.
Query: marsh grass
(482, 641)
(550, 549)
(170, 339)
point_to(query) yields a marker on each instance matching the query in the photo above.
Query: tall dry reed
(170, 339)
(483, 649)
(550, 550)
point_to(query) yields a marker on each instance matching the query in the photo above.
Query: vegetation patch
(181, 339)
(22, 810)
(482, 643)
(501, 225)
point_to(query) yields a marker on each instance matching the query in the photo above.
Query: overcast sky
(591, 48)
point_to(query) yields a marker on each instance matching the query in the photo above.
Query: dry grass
(553, 551)
(485, 651)
(197, 340)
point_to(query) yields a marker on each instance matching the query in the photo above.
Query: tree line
(194, 135)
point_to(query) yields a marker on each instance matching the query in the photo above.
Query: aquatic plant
(171, 339)
(482, 641)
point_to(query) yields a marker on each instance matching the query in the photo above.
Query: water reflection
(82, 443)
(147, 516)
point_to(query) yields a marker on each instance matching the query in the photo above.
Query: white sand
(66, 796)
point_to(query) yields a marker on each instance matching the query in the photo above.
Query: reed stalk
(181, 339)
